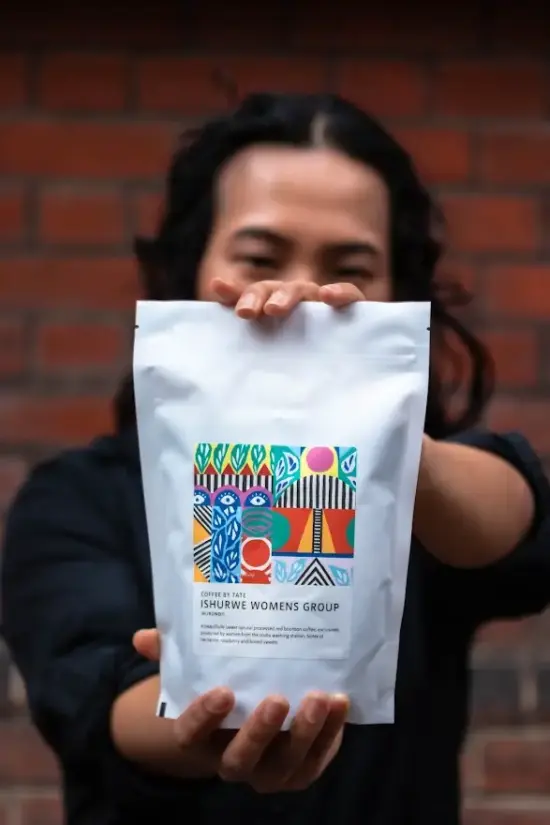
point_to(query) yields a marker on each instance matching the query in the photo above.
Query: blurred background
(92, 99)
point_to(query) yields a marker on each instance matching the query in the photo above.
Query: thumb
(147, 644)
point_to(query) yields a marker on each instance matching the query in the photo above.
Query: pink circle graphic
(319, 459)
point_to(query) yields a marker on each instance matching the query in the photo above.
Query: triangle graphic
(306, 540)
(199, 533)
(315, 574)
(198, 576)
(298, 522)
(337, 523)
(327, 544)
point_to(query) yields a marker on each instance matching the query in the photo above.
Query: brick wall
(90, 104)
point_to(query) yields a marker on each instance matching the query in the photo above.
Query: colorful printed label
(273, 536)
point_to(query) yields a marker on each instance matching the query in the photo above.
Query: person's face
(293, 214)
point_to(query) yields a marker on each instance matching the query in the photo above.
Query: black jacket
(77, 584)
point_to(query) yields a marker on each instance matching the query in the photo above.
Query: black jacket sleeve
(72, 599)
(519, 584)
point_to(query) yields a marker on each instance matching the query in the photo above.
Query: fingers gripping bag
(280, 460)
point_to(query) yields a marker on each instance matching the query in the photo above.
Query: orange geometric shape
(336, 522)
(198, 576)
(306, 542)
(199, 533)
(300, 535)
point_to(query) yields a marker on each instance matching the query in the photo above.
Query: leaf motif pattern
(218, 545)
(202, 456)
(341, 575)
(220, 455)
(280, 572)
(285, 466)
(245, 467)
(218, 518)
(349, 463)
(348, 467)
(239, 454)
(258, 455)
(232, 559)
(219, 572)
(295, 570)
(292, 463)
(233, 529)
(281, 486)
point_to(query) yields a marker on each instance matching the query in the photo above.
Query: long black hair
(169, 262)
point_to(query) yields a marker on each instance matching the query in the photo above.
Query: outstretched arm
(472, 507)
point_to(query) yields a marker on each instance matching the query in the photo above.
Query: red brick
(33, 419)
(12, 215)
(506, 634)
(384, 88)
(442, 155)
(83, 82)
(470, 766)
(395, 27)
(518, 765)
(481, 88)
(527, 416)
(13, 348)
(146, 208)
(13, 80)
(516, 357)
(492, 224)
(516, 157)
(188, 85)
(502, 815)
(80, 346)
(24, 758)
(71, 216)
(85, 149)
(8, 811)
(519, 291)
(13, 471)
(458, 272)
(42, 811)
(68, 283)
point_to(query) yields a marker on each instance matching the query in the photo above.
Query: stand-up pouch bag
(280, 460)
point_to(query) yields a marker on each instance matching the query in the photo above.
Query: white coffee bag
(280, 461)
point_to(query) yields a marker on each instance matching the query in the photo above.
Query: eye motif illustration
(257, 498)
(201, 498)
(228, 500)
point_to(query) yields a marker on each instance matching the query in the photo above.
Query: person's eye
(259, 261)
(355, 273)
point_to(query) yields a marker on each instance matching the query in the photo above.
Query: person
(285, 199)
